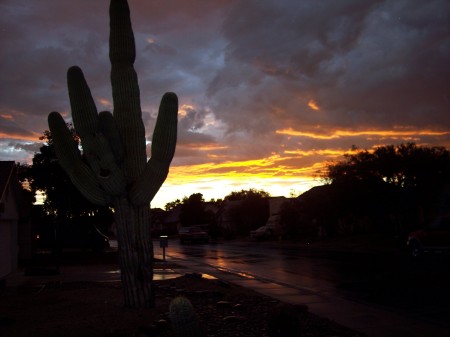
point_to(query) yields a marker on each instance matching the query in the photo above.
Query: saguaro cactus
(117, 172)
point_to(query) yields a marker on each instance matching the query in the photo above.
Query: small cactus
(184, 319)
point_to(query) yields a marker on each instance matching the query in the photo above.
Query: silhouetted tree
(407, 166)
(193, 211)
(47, 176)
(400, 181)
(172, 204)
(253, 210)
(251, 193)
(74, 217)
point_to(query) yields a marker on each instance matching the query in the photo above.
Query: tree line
(249, 210)
(390, 188)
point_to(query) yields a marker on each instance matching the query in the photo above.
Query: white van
(272, 228)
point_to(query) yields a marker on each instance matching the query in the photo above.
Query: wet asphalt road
(389, 279)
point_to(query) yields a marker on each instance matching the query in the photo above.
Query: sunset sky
(269, 91)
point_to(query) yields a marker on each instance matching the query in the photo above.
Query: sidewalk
(85, 273)
(369, 319)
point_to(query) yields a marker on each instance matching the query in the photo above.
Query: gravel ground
(95, 309)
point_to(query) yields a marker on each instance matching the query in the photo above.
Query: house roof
(6, 172)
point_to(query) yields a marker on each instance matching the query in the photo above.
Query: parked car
(192, 234)
(261, 233)
(434, 238)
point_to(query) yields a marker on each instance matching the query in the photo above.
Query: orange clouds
(32, 136)
(325, 153)
(183, 110)
(7, 117)
(105, 102)
(262, 168)
(313, 105)
(368, 133)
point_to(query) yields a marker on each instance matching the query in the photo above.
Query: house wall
(224, 219)
(25, 240)
(275, 204)
(8, 234)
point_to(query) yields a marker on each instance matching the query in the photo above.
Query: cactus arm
(165, 133)
(96, 148)
(70, 159)
(109, 128)
(125, 89)
(84, 112)
(163, 149)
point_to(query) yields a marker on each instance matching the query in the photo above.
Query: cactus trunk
(135, 253)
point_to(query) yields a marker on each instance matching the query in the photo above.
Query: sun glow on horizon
(219, 187)
(216, 180)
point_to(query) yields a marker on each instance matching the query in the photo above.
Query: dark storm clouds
(243, 70)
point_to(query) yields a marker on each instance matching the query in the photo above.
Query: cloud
(256, 79)
(379, 63)
(370, 133)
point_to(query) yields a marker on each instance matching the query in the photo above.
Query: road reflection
(390, 279)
